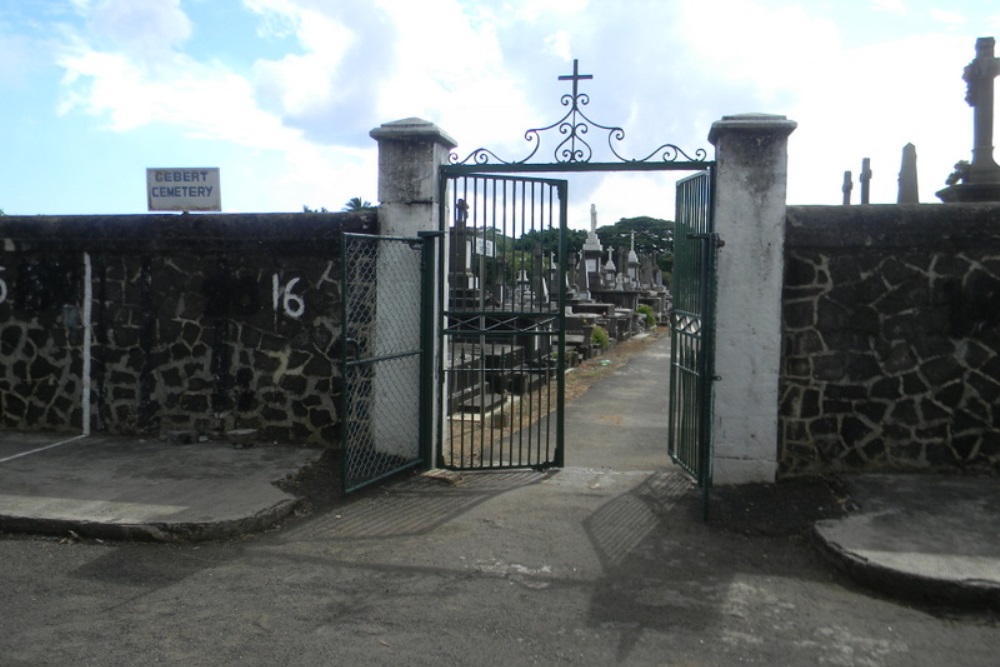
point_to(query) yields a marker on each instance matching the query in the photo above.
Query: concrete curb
(182, 531)
(901, 583)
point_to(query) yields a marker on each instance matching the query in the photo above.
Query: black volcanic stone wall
(891, 321)
(206, 322)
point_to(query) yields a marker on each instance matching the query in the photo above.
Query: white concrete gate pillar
(410, 152)
(751, 173)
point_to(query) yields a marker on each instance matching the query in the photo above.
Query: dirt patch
(788, 507)
(319, 484)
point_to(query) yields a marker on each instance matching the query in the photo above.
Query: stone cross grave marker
(979, 76)
(980, 180)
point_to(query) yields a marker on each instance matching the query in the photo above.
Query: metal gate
(692, 321)
(504, 334)
(384, 412)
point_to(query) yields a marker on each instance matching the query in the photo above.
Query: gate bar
(427, 316)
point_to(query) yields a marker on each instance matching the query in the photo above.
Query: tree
(306, 209)
(653, 236)
(357, 204)
(549, 240)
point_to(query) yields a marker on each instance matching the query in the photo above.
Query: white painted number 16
(292, 304)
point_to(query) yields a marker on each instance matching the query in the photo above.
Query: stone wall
(891, 334)
(206, 322)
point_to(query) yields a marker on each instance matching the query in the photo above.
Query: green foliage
(599, 337)
(353, 204)
(548, 239)
(653, 236)
(357, 204)
(647, 310)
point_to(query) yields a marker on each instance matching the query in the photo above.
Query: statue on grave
(592, 253)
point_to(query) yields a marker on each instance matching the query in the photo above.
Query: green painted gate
(692, 322)
(504, 337)
(498, 351)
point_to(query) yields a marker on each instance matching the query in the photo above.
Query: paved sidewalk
(131, 488)
(927, 537)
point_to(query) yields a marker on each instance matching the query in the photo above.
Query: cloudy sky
(281, 94)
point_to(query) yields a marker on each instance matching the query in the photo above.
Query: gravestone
(866, 179)
(592, 253)
(981, 180)
(908, 191)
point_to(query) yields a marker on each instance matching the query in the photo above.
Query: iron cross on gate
(575, 77)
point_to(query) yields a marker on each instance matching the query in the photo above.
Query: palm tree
(357, 204)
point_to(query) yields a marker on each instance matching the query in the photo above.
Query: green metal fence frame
(449, 174)
(692, 350)
(700, 471)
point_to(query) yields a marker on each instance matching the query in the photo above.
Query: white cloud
(113, 77)
(560, 44)
(624, 195)
(480, 70)
(304, 83)
(205, 101)
(459, 81)
(948, 17)
(774, 52)
(328, 88)
(17, 57)
(139, 26)
(897, 7)
(534, 11)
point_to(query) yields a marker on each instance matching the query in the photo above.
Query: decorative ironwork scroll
(574, 127)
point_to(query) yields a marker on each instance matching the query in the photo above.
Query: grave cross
(979, 75)
(866, 179)
(576, 77)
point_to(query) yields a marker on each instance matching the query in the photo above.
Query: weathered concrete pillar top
(413, 129)
(410, 153)
(756, 123)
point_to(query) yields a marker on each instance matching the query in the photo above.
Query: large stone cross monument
(981, 182)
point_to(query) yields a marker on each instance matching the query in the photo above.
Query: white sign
(489, 250)
(183, 189)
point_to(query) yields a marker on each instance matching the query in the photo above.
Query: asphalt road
(605, 562)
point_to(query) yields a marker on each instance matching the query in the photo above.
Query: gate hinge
(708, 237)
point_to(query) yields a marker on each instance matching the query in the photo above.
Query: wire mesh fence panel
(382, 288)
